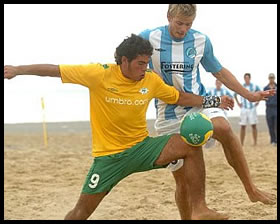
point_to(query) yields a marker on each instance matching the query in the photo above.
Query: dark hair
(247, 74)
(132, 47)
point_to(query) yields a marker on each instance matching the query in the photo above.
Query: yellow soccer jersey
(117, 105)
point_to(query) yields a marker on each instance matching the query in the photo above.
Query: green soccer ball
(196, 129)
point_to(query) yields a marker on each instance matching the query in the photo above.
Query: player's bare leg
(190, 180)
(85, 206)
(182, 194)
(242, 134)
(255, 133)
(236, 158)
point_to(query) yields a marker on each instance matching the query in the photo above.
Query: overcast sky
(244, 38)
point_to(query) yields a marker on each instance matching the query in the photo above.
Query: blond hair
(182, 10)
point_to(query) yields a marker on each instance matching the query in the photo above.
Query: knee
(221, 129)
(187, 149)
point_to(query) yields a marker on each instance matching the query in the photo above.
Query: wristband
(211, 101)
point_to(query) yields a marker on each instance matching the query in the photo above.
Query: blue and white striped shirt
(246, 103)
(177, 62)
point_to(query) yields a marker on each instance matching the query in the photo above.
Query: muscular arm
(229, 80)
(39, 70)
(188, 99)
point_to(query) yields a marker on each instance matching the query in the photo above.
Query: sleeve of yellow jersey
(164, 92)
(87, 75)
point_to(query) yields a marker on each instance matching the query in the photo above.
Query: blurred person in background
(219, 91)
(271, 110)
(248, 113)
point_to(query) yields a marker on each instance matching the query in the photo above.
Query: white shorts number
(94, 180)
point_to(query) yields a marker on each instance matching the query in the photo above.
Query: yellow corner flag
(44, 123)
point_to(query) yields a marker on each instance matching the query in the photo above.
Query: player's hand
(10, 72)
(261, 95)
(226, 103)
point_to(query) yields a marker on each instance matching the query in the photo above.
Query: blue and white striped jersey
(246, 103)
(177, 62)
(220, 92)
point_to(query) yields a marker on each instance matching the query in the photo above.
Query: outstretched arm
(188, 99)
(228, 79)
(40, 70)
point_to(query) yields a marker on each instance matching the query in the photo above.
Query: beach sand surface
(44, 183)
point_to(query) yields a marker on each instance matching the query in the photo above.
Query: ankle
(251, 190)
(199, 206)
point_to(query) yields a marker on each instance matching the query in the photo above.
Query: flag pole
(44, 123)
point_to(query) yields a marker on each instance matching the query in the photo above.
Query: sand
(44, 183)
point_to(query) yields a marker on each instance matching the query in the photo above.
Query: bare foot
(264, 197)
(209, 214)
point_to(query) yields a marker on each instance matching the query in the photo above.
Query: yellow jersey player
(119, 98)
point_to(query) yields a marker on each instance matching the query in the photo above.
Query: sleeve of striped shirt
(145, 34)
(209, 62)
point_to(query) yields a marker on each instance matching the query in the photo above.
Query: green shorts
(107, 171)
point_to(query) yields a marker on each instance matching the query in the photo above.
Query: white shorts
(164, 127)
(248, 116)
